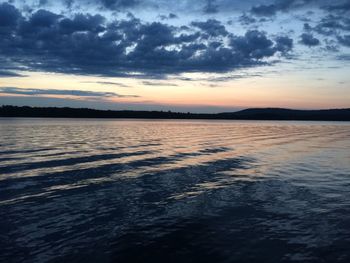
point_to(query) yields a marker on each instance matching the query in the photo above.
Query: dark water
(174, 191)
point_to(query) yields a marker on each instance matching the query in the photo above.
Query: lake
(74, 190)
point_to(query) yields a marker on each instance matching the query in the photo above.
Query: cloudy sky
(182, 55)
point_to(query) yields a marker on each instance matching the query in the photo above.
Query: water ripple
(200, 191)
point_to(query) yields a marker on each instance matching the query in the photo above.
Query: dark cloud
(284, 44)
(89, 44)
(68, 3)
(8, 74)
(256, 45)
(307, 27)
(334, 26)
(260, 7)
(172, 16)
(343, 6)
(43, 2)
(119, 4)
(115, 5)
(169, 16)
(309, 40)
(264, 10)
(151, 83)
(81, 22)
(331, 45)
(208, 7)
(279, 5)
(344, 40)
(344, 57)
(246, 19)
(9, 15)
(78, 93)
(212, 27)
(211, 7)
(108, 83)
(43, 18)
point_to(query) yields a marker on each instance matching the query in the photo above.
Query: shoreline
(253, 114)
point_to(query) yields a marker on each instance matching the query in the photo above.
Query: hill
(289, 114)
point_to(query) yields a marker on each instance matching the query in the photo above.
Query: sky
(179, 55)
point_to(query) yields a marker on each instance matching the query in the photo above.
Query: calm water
(174, 191)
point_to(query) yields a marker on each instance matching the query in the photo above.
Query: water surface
(174, 191)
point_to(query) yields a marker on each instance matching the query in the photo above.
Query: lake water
(174, 191)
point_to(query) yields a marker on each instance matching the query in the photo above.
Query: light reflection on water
(175, 191)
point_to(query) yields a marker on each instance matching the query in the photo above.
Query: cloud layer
(91, 44)
(75, 93)
(36, 39)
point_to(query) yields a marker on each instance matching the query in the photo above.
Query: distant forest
(248, 114)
